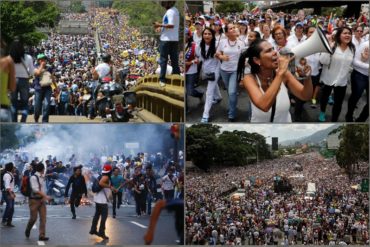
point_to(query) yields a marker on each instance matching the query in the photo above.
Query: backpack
(95, 185)
(3, 172)
(26, 189)
(64, 96)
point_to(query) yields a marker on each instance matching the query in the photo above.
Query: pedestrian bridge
(165, 104)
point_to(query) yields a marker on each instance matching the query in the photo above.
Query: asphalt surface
(218, 111)
(125, 229)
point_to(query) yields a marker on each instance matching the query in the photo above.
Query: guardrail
(167, 103)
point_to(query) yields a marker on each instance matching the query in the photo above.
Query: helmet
(106, 57)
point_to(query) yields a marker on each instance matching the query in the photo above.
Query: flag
(255, 10)
(331, 24)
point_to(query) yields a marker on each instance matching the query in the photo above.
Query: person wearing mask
(101, 203)
(169, 40)
(359, 83)
(23, 71)
(117, 183)
(269, 81)
(42, 93)
(78, 189)
(7, 83)
(206, 54)
(8, 194)
(37, 202)
(228, 52)
(336, 72)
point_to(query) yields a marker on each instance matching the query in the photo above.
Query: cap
(245, 23)
(107, 168)
(299, 24)
(41, 56)
(218, 23)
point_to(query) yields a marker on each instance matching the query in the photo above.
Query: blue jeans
(359, 84)
(40, 95)
(229, 79)
(22, 90)
(9, 210)
(190, 90)
(149, 199)
(168, 48)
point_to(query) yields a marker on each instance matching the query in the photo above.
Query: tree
(20, 19)
(77, 6)
(231, 6)
(354, 146)
(201, 144)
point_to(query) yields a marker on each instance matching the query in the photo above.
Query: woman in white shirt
(243, 32)
(357, 36)
(206, 53)
(359, 83)
(269, 81)
(336, 72)
(219, 33)
(228, 52)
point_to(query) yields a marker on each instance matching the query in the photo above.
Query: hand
(283, 64)
(196, 61)
(47, 198)
(43, 64)
(157, 24)
(225, 58)
(158, 30)
(365, 55)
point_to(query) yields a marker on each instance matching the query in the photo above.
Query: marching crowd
(144, 179)
(338, 213)
(249, 50)
(70, 61)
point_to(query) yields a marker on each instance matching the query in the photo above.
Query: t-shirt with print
(171, 17)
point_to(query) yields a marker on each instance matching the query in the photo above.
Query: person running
(78, 189)
(117, 182)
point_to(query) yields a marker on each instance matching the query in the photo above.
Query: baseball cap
(218, 23)
(299, 24)
(41, 56)
(107, 168)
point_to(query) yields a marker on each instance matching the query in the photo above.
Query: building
(333, 141)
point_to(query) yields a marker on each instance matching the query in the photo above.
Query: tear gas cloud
(86, 140)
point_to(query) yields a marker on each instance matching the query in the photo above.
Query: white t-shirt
(197, 39)
(171, 17)
(20, 70)
(314, 61)
(167, 183)
(100, 197)
(340, 67)
(103, 70)
(358, 64)
(209, 65)
(8, 181)
(356, 42)
(232, 49)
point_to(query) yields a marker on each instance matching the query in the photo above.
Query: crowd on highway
(71, 59)
(337, 214)
(221, 43)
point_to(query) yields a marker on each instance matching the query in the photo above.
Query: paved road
(126, 229)
(219, 112)
(73, 119)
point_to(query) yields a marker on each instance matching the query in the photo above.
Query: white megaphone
(316, 43)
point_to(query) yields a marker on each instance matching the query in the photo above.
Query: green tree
(77, 6)
(201, 144)
(231, 151)
(21, 19)
(231, 6)
(354, 146)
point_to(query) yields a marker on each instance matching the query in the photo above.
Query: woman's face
(346, 36)
(358, 32)
(251, 37)
(279, 37)
(231, 32)
(268, 56)
(207, 36)
(266, 30)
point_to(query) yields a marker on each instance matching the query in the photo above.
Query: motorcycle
(114, 103)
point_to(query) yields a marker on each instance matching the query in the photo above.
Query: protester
(117, 183)
(78, 189)
(8, 194)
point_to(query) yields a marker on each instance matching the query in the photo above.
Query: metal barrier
(167, 103)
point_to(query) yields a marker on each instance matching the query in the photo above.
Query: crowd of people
(142, 179)
(250, 50)
(56, 77)
(337, 214)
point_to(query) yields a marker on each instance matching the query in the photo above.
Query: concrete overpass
(287, 6)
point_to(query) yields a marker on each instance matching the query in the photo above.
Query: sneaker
(103, 236)
(204, 120)
(93, 232)
(322, 117)
(74, 217)
(313, 103)
(330, 100)
(10, 225)
(114, 216)
(162, 84)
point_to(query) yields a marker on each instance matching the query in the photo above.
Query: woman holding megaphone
(269, 82)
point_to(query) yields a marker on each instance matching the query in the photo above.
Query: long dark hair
(17, 51)
(338, 42)
(212, 47)
(254, 50)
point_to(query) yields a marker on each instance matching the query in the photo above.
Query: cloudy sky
(283, 131)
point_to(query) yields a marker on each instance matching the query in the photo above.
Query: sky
(283, 131)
